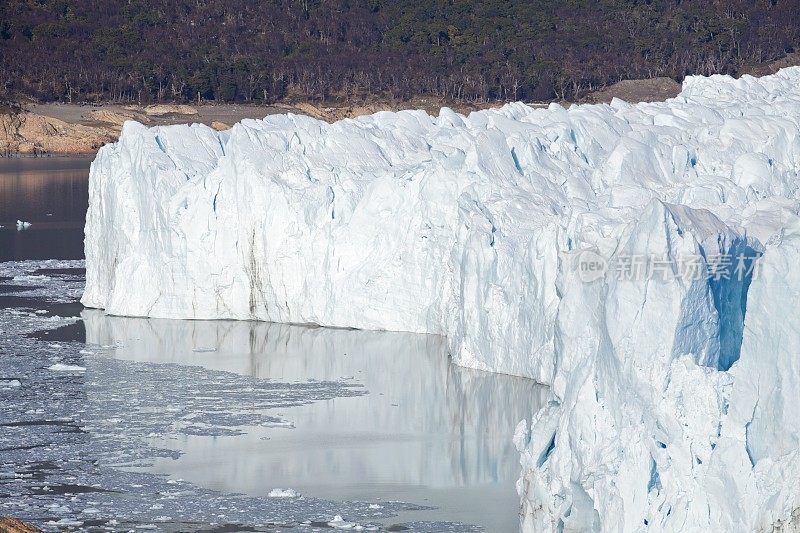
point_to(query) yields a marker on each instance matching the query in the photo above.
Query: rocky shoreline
(35, 129)
(72, 129)
(27, 133)
(64, 129)
(38, 129)
(12, 525)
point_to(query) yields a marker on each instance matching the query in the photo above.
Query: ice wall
(665, 406)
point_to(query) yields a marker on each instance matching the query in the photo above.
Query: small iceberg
(22, 225)
(283, 493)
(60, 367)
(340, 523)
(9, 383)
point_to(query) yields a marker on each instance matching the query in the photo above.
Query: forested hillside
(245, 50)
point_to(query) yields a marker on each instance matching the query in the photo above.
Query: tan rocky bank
(73, 129)
(649, 90)
(33, 134)
(38, 129)
(82, 129)
(12, 525)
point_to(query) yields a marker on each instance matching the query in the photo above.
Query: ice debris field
(79, 428)
(639, 259)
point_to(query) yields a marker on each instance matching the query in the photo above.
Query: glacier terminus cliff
(640, 260)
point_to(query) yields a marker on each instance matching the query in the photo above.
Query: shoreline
(63, 129)
(51, 129)
(46, 155)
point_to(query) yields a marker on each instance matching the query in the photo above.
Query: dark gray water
(223, 408)
(51, 194)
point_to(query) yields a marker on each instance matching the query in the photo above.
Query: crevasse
(671, 396)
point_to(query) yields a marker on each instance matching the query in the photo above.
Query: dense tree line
(266, 50)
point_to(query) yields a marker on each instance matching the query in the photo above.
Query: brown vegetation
(192, 51)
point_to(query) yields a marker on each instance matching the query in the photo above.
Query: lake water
(346, 415)
(51, 194)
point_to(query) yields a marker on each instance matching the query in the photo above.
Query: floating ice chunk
(283, 493)
(31, 277)
(9, 384)
(22, 225)
(65, 522)
(60, 367)
(340, 523)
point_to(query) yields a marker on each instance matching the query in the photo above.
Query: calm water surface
(428, 432)
(51, 194)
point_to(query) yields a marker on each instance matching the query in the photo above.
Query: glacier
(671, 396)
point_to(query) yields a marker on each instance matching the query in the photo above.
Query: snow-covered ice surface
(673, 394)
(74, 443)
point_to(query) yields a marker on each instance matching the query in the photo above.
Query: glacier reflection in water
(428, 431)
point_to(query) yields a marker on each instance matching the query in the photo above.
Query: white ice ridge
(672, 397)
